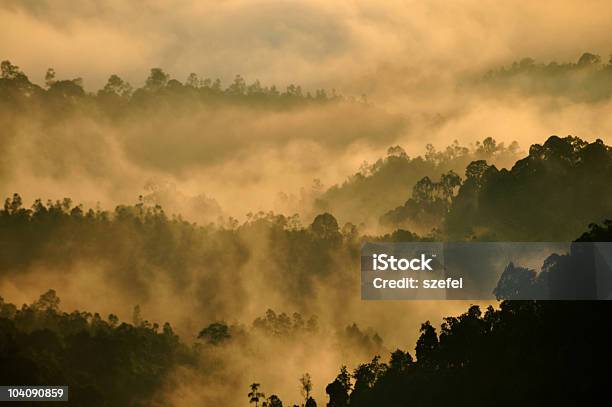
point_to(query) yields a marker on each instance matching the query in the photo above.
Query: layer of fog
(231, 161)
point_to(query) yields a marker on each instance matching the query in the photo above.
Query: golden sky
(345, 44)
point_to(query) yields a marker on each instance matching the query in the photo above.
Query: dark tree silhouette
(568, 174)
(274, 401)
(255, 395)
(310, 402)
(339, 390)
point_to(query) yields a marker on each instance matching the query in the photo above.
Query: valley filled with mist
(187, 235)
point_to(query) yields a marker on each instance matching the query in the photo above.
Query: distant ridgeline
(550, 195)
(159, 88)
(587, 80)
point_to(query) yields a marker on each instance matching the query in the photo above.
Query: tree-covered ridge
(589, 79)
(551, 195)
(378, 187)
(166, 129)
(139, 244)
(524, 353)
(158, 88)
(103, 361)
(554, 192)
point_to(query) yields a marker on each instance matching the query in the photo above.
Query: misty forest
(196, 242)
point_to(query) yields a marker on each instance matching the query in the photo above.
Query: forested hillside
(102, 360)
(379, 187)
(514, 352)
(533, 352)
(550, 195)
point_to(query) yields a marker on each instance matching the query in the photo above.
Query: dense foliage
(550, 195)
(138, 244)
(525, 352)
(103, 361)
(380, 186)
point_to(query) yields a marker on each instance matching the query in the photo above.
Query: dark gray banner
(33, 393)
(486, 271)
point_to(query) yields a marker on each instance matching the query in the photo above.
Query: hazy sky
(347, 44)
